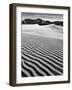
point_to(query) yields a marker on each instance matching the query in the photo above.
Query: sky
(51, 17)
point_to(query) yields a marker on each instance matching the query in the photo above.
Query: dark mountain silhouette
(58, 23)
(41, 22)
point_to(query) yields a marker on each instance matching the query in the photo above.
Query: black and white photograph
(41, 44)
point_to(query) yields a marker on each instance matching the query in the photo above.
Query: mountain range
(41, 22)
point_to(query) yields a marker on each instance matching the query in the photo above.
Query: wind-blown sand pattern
(41, 56)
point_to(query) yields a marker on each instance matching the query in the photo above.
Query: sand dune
(41, 56)
(52, 31)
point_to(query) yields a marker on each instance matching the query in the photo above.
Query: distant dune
(52, 31)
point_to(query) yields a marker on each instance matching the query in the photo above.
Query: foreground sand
(41, 56)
